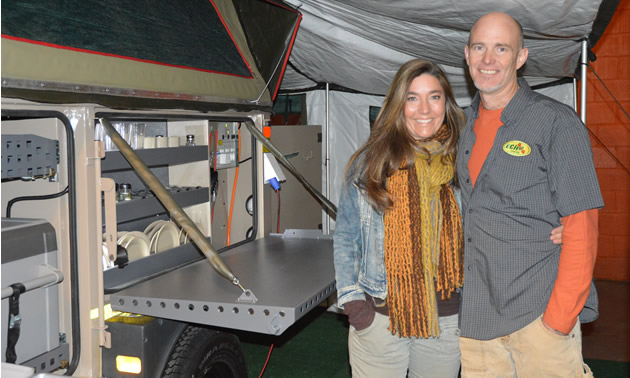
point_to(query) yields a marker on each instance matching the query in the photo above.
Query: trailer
(137, 234)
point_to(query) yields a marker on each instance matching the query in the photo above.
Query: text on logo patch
(517, 148)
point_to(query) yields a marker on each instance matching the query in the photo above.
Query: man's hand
(552, 329)
(556, 235)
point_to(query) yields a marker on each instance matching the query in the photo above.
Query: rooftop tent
(197, 54)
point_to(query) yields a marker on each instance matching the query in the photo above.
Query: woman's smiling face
(425, 107)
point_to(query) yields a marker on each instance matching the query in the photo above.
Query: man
(524, 162)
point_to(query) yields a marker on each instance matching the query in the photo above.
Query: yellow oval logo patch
(517, 148)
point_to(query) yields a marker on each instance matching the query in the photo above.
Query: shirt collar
(513, 108)
(516, 105)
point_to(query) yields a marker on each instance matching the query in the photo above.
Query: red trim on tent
(286, 58)
(232, 38)
(62, 47)
(281, 5)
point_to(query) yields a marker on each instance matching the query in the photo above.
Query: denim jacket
(359, 245)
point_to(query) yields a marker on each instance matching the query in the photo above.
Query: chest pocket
(515, 180)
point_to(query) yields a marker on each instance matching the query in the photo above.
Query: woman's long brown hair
(390, 146)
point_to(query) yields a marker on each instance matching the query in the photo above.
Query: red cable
(278, 227)
(266, 362)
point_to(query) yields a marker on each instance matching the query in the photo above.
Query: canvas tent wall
(200, 54)
(354, 48)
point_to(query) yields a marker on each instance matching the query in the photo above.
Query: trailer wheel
(203, 352)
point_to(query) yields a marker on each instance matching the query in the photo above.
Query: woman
(398, 242)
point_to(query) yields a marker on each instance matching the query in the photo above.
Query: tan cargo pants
(533, 351)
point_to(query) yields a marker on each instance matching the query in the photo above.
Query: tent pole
(583, 79)
(575, 94)
(327, 127)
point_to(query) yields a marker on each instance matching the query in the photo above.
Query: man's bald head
(493, 18)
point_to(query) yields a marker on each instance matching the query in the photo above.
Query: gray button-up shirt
(540, 168)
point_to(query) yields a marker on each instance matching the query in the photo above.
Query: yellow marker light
(107, 312)
(128, 364)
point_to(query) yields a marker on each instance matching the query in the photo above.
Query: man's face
(495, 54)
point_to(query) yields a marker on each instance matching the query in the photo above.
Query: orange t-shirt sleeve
(575, 270)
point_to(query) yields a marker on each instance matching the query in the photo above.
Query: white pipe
(583, 79)
(54, 277)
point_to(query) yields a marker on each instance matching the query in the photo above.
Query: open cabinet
(170, 285)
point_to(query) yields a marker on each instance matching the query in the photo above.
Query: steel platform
(288, 275)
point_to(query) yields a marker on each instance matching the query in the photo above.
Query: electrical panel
(224, 141)
(29, 156)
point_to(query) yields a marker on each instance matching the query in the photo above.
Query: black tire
(203, 352)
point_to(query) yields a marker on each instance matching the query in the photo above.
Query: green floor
(316, 346)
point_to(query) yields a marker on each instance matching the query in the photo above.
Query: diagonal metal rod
(332, 209)
(176, 212)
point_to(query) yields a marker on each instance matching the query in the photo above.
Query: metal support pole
(583, 79)
(327, 128)
(283, 160)
(52, 278)
(575, 94)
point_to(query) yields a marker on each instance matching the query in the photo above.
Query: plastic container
(124, 192)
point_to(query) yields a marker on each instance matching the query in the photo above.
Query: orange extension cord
(229, 225)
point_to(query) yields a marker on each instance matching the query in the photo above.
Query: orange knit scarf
(423, 243)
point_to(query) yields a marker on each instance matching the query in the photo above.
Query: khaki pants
(533, 351)
(376, 353)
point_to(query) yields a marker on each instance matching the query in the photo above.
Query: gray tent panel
(359, 44)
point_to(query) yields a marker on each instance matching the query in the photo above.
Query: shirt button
(469, 268)
(467, 152)
(467, 181)
(469, 240)
(469, 211)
